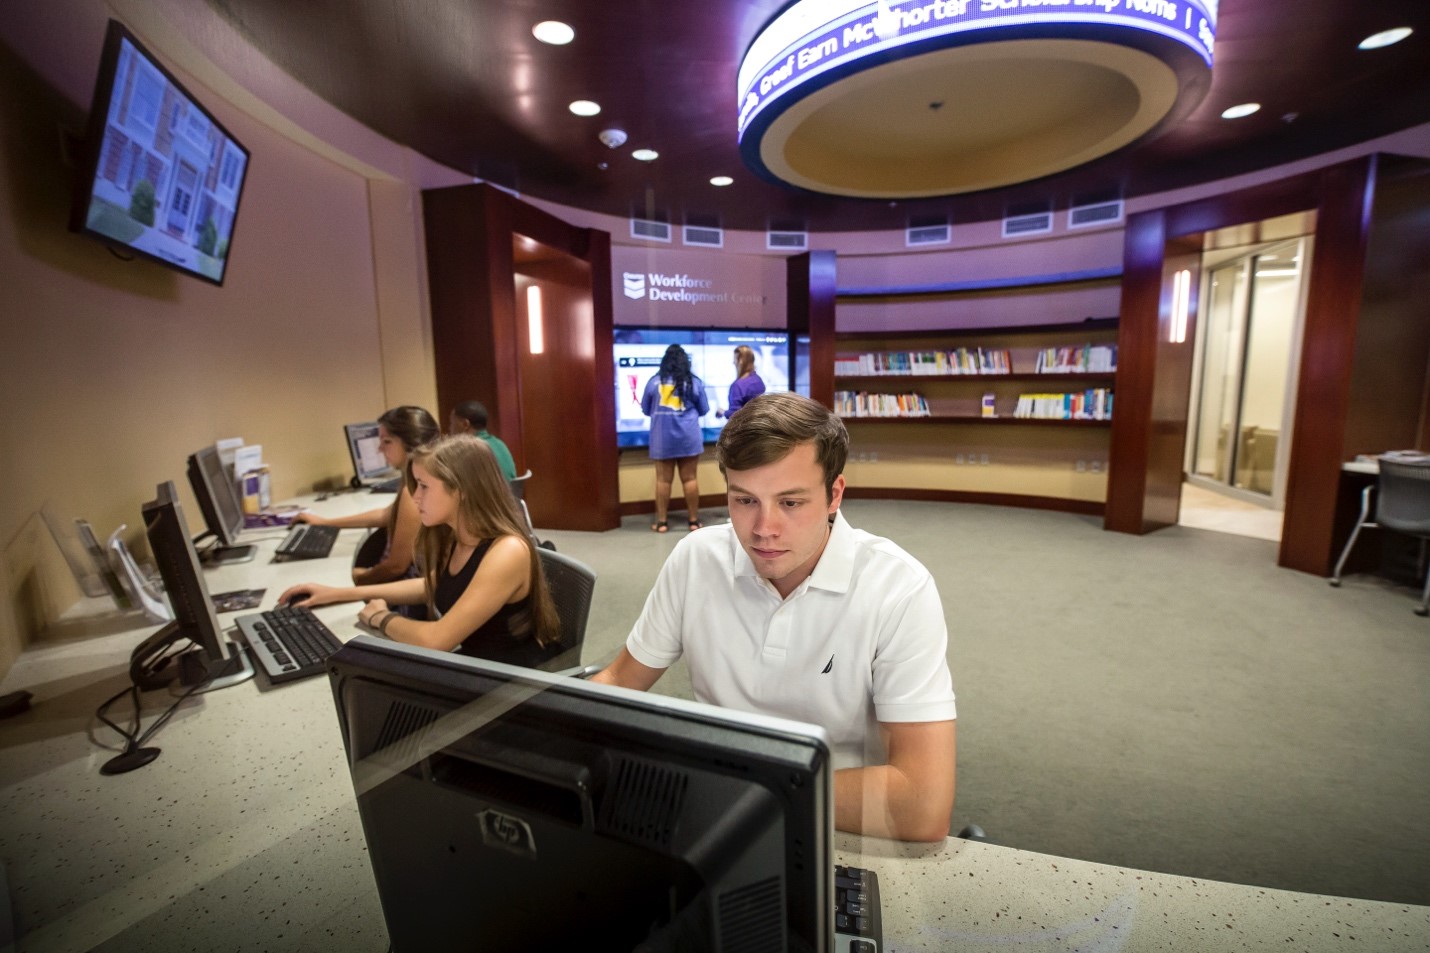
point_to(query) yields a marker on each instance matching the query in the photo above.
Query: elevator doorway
(1248, 349)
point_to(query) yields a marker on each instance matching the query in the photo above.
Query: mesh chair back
(571, 582)
(1403, 497)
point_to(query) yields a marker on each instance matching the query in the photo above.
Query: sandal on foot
(661, 526)
(695, 524)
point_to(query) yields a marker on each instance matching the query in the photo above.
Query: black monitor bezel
(790, 758)
(115, 34)
(195, 617)
(359, 479)
(204, 466)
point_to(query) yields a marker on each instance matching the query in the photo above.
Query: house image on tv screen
(168, 177)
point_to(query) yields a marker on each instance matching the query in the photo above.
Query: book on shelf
(848, 403)
(963, 360)
(1092, 404)
(1077, 359)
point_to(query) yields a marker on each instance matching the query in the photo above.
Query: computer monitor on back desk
(540, 812)
(370, 467)
(221, 507)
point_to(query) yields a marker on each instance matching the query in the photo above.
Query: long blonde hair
(744, 360)
(486, 509)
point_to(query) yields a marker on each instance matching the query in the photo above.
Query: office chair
(518, 485)
(369, 551)
(1402, 503)
(571, 583)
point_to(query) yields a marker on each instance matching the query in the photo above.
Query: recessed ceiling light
(554, 32)
(1384, 38)
(722, 180)
(584, 107)
(645, 155)
(1238, 112)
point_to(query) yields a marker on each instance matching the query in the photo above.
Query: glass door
(1251, 332)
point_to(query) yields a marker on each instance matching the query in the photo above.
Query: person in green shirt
(470, 416)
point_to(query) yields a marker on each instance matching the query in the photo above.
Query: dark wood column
(810, 280)
(554, 409)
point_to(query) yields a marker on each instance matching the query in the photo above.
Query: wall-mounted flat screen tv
(638, 352)
(161, 177)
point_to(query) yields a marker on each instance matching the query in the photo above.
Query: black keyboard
(288, 642)
(858, 926)
(305, 541)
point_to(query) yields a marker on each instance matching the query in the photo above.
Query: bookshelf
(941, 444)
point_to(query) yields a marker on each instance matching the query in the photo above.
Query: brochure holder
(145, 594)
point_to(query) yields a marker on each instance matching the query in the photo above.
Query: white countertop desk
(244, 834)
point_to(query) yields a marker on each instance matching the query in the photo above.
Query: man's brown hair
(771, 425)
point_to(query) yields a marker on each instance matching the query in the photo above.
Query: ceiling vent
(649, 230)
(703, 235)
(939, 234)
(786, 240)
(1102, 213)
(1020, 226)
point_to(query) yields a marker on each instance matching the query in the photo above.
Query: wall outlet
(983, 459)
(958, 459)
(873, 456)
(1082, 466)
(1097, 466)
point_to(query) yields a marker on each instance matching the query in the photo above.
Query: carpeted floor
(1171, 702)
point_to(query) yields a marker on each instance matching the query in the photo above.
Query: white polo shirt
(862, 640)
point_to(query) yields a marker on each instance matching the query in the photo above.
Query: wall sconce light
(1181, 304)
(534, 333)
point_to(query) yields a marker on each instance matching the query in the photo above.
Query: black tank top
(505, 637)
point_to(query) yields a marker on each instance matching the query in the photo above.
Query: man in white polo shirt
(789, 611)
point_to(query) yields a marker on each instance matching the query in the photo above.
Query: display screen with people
(482, 580)
(790, 611)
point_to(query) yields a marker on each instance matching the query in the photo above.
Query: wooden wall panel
(1323, 392)
(555, 410)
(811, 285)
(1141, 318)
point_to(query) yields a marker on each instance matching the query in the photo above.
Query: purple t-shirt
(743, 390)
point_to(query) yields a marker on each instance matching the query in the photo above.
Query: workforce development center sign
(670, 287)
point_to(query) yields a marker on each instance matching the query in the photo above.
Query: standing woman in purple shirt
(674, 400)
(747, 383)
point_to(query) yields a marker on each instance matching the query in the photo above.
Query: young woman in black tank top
(481, 573)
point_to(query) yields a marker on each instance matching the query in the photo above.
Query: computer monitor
(213, 662)
(370, 467)
(222, 509)
(530, 811)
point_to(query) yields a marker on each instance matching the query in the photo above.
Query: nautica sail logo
(634, 284)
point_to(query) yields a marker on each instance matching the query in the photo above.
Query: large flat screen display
(638, 352)
(161, 176)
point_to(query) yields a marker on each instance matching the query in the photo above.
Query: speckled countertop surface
(244, 834)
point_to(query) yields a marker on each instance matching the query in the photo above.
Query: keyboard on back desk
(858, 924)
(305, 541)
(288, 642)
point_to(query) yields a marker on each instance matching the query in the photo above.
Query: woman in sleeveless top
(401, 431)
(481, 578)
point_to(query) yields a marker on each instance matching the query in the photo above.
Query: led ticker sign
(816, 36)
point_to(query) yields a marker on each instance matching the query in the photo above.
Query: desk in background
(244, 834)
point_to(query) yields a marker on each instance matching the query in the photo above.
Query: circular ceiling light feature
(645, 155)
(1384, 38)
(554, 32)
(584, 107)
(1241, 111)
(831, 101)
(721, 181)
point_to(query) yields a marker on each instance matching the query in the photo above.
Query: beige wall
(114, 371)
